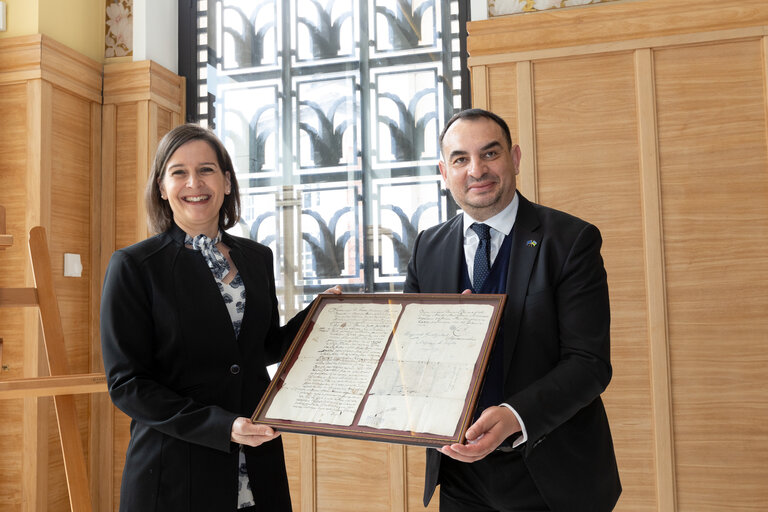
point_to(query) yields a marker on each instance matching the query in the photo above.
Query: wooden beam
(53, 386)
(398, 478)
(526, 131)
(18, 297)
(661, 380)
(308, 473)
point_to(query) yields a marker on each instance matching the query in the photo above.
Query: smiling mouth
(197, 199)
(481, 186)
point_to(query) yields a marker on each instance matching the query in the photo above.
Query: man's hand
(246, 432)
(485, 435)
(335, 290)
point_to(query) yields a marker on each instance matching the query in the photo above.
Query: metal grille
(331, 111)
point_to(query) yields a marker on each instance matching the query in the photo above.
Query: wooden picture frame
(398, 368)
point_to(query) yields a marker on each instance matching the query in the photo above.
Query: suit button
(234, 369)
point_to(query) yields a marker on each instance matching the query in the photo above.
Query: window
(331, 111)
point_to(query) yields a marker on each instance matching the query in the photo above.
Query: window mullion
(366, 123)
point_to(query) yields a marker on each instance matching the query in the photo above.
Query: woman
(189, 322)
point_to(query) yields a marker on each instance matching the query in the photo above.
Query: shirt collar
(501, 222)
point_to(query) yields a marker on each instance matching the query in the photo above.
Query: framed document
(398, 368)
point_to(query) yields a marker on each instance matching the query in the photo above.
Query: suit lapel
(257, 312)
(526, 240)
(451, 251)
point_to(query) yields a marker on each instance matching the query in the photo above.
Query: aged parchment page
(336, 364)
(423, 381)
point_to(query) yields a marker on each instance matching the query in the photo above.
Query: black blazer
(174, 366)
(555, 331)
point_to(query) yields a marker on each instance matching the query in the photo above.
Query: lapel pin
(531, 243)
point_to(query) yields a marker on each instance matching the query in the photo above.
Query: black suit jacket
(555, 331)
(174, 366)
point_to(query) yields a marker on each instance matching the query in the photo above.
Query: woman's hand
(336, 290)
(244, 431)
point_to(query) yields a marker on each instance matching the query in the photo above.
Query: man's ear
(516, 155)
(441, 165)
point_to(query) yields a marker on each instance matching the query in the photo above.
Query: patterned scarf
(213, 257)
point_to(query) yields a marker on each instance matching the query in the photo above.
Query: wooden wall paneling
(110, 156)
(526, 131)
(6, 240)
(74, 138)
(415, 470)
(69, 229)
(398, 474)
(624, 45)
(113, 439)
(714, 190)
(102, 226)
(501, 83)
(130, 82)
(308, 474)
(37, 412)
(685, 401)
(125, 158)
(510, 95)
(71, 71)
(587, 164)
(145, 131)
(608, 24)
(21, 59)
(764, 40)
(292, 449)
(339, 463)
(103, 489)
(60, 96)
(655, 282)
(324, 475)
(13, 156)
(479, 77)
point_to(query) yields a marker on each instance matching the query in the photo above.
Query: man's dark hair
(477, 113)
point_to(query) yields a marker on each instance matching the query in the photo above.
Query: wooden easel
(60, 384)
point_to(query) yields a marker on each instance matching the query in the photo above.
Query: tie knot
(483, 230)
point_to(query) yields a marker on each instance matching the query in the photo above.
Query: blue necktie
(482, 256)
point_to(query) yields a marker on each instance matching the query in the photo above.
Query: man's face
(478, 167)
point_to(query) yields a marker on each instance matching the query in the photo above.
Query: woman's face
(194, 186)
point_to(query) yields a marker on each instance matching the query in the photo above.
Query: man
(541, 441)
